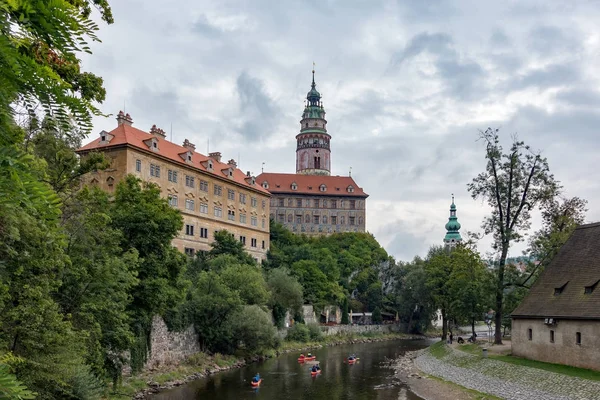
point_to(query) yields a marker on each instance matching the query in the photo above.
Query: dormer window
(230, 173)
(323, 188)
(560, 289)
(103, 138)
(590, 289)
(210, 165)
(294, 186)
(265, 184)
(350, 189)
(155, 145)
(152, 143)
(189, 157)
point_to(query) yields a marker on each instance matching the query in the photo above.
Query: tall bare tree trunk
(500, 294)
(444, 325)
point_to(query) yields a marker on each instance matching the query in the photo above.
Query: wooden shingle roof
(560, 290)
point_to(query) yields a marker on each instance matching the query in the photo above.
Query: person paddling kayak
(256, 378)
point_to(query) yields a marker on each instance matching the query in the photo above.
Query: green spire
(452, 226)
(313, 97)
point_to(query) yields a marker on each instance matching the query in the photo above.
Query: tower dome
(452, 237)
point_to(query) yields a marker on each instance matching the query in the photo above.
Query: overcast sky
(406, 86)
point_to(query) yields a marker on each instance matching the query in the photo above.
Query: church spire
(452, 237)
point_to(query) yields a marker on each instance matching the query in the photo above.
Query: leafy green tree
(514, 184)
(376, 317)
(252, 327)
(249, 282)
(345, 316)
(438, 268)
(286, 294)
(11, 388)
(226, 243)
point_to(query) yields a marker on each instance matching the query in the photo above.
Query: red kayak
(256, 384)
(351, 361)
(315, 373)
(302, 359)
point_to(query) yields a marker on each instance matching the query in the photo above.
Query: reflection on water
(284, 378)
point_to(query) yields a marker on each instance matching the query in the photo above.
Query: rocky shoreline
(154, 387)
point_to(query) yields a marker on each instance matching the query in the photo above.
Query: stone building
(212, 195)
(559, 319)
(312, 201)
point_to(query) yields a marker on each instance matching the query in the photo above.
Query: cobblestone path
(504, 380)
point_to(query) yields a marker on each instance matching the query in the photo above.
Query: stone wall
(170, 348)
(564, 349)
(360, 329)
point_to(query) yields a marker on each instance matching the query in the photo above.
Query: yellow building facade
(212, 195)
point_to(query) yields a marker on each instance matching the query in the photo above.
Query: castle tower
(452, 237)
(313, 154)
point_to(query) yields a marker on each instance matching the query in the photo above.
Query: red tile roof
(128, 135)
(310, 184)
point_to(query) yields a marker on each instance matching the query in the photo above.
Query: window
(155, 145)
(351, 220)
(253, 201)
(230, 194)
(155, 170)
(341, 203)
(189, 181)
(290, 203)
(529, 334)
(243, 239)
(263, 244)
(316, 203)
(189, 230)
(172, 176)
(204, 208)
(218, 212)
(264, 204)
(559, 290)
(203, 186)
(253, 221)
(352, 204)
(578, 338)
(590, 289)
(324, 203)
(342, 220)
(290, 218)
(350, 189)
(333, 203)
(333, 220)
(324, 219)
(281, 203)
(204, 233)
(243, 218)
(551, 336)
(263, 223)
(138, 166)
(307, 219)
(281, 218)
(298, 219)
(298, 202)
(231, 215)
(173, 200)
(189, 204)
(252, 242)
(322, 188)
(103, 138)
(316, 219)
(189, 252)
(218, 190)
(242, 198)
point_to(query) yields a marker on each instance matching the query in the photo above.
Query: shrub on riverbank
(304, 333)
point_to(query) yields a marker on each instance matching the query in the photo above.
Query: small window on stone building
(307, 219)
(578, 338)
(551, 336)
(138, 165)
(281, 202)
(591, 288)
(324, 219)
(290, 218)
(529, 334)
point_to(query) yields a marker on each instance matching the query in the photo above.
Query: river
(285, 378)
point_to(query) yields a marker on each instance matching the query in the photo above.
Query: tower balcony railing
(312, 146)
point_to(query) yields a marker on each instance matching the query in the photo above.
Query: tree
(514, 184)
(252, 327)
(376, 316)
(345, 316)
(248, 281)
(226, 243)
(438, 267)
(470, 285)
(286, 294)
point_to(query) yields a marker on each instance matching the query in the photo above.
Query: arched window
(290, 217)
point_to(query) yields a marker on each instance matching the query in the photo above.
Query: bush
(377, 318)
(298, 333)
(252, 327)
(315, 332)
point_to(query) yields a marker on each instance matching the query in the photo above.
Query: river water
(285, 378)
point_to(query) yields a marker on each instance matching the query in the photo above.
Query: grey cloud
(203, 27)
(547, 40)
(551, 76)
(258, 110)
(499, 38)
(163, 106)
(580, 97)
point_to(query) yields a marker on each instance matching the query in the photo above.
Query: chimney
(188, 145)
(215, 156)
(159, 133)
(248, 174)
(124, 119)
(232, 163)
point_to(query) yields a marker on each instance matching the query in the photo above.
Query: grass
(439, 349)
(557, 368)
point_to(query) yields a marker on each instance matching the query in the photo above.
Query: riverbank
(201, 365)
(495, 378)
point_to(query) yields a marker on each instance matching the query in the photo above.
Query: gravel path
(507, 381)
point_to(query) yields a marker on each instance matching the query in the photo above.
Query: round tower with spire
(313, 154)
(452, 237)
